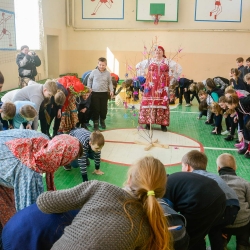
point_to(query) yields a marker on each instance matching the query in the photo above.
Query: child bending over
(203, 96)
(194, 91)
(92, 144)
(216, 109)
(25, 113)
(226, 167)
(7, 111)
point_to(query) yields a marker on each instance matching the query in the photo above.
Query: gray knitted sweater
(101, 222)
(100, 81)
(242, 189)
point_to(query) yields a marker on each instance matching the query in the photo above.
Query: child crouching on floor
(217, 111)
(92, 144)
(203, 96)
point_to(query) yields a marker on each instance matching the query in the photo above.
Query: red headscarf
(45, 156)
(163, 50)
(73, 85)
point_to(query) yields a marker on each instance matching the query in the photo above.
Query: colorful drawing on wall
(218, 10)
(7, 30)
(102, 9)
(146, 10)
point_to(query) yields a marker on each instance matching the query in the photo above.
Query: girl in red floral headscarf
(24, 156)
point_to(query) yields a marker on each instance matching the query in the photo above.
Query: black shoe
(229, 138)
(67, 167)
(103, 125)
(164, 128)
(243, 150)
(208, 122)
(87, 162)
(147, 126)
(96, 125)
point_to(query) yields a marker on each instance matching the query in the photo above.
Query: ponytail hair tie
(150, 193)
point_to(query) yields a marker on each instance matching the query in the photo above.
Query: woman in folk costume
(155, 101)
(24, 156)
(69, 110)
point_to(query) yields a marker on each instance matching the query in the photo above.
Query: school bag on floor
(177, 226)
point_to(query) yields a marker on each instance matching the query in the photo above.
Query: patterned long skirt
(154, 116)
(69, 116)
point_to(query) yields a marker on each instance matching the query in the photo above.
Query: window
(27, 21)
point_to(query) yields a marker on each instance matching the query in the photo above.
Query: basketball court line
(121, 145)
(228, 149)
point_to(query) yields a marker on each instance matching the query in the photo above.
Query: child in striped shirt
(92, 144)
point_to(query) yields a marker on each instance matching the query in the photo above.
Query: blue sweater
(23, 233)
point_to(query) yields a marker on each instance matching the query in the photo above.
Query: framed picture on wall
(166, 9)
(218, 10)
(8, 30)
(102, 9)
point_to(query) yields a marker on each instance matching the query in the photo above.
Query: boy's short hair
(248, 59)
(247, 77)
(240, 59)
(1, 78)
(102, 59)
(8, 110)
(226, 160)
(28, 111)
(195, 159)
(60, 98)
(24, 47)
(51, 86)
(97, 137)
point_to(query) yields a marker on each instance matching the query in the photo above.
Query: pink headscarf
(45, 156)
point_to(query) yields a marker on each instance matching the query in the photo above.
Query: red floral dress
(155, 102)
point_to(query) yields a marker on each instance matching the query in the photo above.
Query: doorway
(53, 56)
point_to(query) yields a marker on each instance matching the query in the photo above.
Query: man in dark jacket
(27, 62)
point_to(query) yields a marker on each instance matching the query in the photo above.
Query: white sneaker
(226, 132)
(188, 105)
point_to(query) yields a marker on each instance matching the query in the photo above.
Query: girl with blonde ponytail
(147, 181)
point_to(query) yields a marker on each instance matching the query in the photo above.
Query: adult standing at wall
(27, 62)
